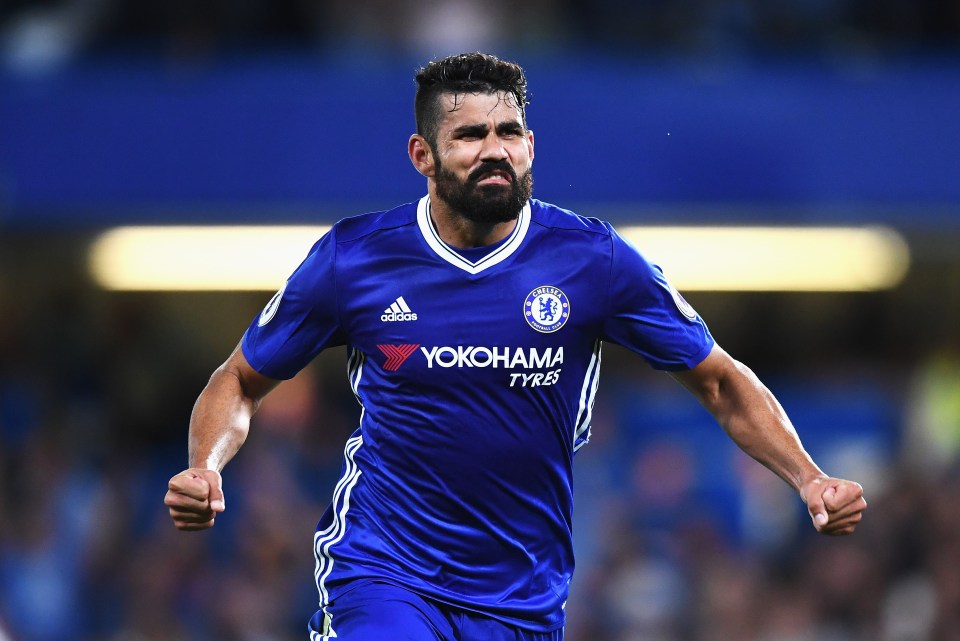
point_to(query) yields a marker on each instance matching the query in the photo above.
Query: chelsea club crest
(546, 309)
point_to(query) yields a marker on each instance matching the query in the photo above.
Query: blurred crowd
(37, 32)
(675, 542)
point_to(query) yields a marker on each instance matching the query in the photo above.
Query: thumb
(817, 508)
(215, 481)
(819, 515)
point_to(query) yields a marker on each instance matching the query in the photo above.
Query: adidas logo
(398, 311)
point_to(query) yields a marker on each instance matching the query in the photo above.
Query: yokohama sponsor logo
(396, 355)
(495, 357)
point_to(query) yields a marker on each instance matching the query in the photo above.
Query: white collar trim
(450, 255)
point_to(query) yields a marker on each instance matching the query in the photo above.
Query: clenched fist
(836, 506)
(195, 497)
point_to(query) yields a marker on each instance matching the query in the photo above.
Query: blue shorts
(375, 611)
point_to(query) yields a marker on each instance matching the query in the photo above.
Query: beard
(486, 204)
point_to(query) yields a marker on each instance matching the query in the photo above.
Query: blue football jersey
(476, 372)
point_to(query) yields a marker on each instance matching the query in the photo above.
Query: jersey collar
(448, 254)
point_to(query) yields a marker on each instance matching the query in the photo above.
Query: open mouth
(495, 177)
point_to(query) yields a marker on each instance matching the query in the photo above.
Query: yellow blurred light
(259, 258)
(775, 258)
(218, 258)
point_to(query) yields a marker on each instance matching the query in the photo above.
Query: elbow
(712, 394)
(721, 384)
(722, 394)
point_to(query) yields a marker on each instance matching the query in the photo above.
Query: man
(474, 320)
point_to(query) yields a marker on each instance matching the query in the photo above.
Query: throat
(479, 252)
(462, 233)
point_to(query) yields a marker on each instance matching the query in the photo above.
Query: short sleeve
(647, 315)
(300, 320)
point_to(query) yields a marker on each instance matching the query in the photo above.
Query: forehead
(478, 108)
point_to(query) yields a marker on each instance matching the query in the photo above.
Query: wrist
(810, 481)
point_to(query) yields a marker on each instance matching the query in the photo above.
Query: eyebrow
(481, 130)
(478, 131)
(510, 127)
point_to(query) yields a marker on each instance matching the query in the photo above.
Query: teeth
(496, 175)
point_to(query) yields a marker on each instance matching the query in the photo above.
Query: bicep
(731, 391)
(711, 378)
(253, 384)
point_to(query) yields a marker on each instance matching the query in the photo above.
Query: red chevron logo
(396, 355)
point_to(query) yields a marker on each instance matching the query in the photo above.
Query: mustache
(493, 165)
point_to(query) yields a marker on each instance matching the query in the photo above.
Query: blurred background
(689, 112)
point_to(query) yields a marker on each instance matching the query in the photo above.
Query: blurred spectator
(36, 35)
(41, 35)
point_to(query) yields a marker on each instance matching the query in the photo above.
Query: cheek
(522, 156)
(455, 158)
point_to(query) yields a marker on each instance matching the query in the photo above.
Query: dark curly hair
(460, 74)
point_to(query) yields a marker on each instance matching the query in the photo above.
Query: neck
(457, 230)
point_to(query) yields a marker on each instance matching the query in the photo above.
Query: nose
(493, 148)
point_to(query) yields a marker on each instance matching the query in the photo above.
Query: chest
(515, 305)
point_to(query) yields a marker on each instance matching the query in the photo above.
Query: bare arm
(218, 427)
(754, 419)
(222, 413)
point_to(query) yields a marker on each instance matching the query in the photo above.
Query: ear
(421, 155)
(530, 143)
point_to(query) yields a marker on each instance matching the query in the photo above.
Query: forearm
(756, 421)
(220, 421)
(751, 415)
(218, 427)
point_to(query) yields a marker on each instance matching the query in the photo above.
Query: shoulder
(550, 216)
(361, 226)
(591, 234)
